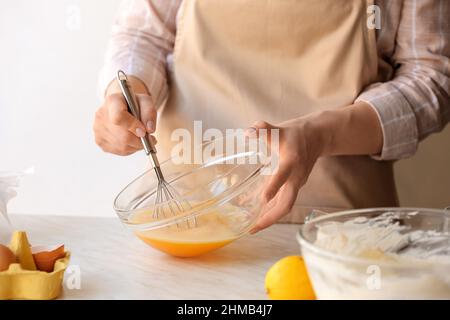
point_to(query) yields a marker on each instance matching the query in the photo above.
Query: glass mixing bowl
(223, 189)
(417, 268)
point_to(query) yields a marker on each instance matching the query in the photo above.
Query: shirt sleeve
(416, 102)
(143, 36)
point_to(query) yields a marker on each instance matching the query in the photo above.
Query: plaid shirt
(412, 98)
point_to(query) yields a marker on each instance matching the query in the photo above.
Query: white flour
(423, 255)
(385, 238)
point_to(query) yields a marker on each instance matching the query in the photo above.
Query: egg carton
(22, 283)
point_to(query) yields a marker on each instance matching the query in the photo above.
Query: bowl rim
(216, 200)
(367, 261)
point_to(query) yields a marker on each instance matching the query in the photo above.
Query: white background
(49, 65)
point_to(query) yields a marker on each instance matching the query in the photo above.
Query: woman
(347, 99)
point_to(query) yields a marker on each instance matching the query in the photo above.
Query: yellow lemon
(288, 279)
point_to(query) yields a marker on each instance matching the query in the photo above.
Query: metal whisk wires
(168, 202)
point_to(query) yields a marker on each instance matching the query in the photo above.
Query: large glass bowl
(341, 276)
(223, 190)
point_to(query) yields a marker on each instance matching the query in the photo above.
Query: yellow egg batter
(210, 231)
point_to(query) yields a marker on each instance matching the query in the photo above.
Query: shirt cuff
(152, 78)
(398, 121)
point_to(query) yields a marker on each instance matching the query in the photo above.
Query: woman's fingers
(148, 112)
(122, 139)
(108, 143)
(114, 138)
(277, 180)
(297, 153)
(283, 171)
(117, 140)
(117, 130)
(283, 204)
(119, 115)
(256, 129)
(288, 159)
(125, 138)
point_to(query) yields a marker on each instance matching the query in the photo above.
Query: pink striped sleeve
(142, 38)
(416, 102)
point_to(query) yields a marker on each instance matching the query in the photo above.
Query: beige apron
(238, 61)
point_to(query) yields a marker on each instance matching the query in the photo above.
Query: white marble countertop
(114, 264)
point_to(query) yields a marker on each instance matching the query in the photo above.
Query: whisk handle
(133, 108)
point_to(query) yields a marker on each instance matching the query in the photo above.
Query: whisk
(168, 202)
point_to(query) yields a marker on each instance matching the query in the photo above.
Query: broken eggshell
(46, 256)
(7, 258)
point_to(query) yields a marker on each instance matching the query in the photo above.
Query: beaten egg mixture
(209, 231)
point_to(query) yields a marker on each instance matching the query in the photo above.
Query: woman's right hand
(116, 130)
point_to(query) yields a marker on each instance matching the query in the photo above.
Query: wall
(49, 63)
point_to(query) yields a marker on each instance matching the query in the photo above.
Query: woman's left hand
(349, 130)
(299, 149)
